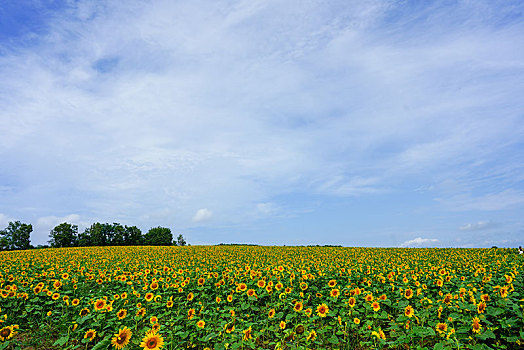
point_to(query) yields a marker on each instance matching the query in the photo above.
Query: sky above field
(359, 123)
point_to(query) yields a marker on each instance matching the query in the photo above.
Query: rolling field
(247, 297)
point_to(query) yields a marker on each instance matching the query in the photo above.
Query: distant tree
(180, 240)
(64, 235)
(16, 236)
(84, 239)
(133, 236)
(158, 236)
(95, 235)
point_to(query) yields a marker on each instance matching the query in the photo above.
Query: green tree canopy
(64, 235)
(16, 236)
(158, 236)
(180, 240)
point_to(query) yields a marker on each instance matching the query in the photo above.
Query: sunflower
(408, 311)
(201, 324)
(55, 296)
(298, 306)
(100, 304)
(261, 283)
(190, 314)
(375, 306)
(7, 333)
(169, 304)
(352, 301)
(149, 297)
(271, 313)
(484, 297)
(229, 328)
(332, 283)
(247, 333)
(84, 312)
(356, 320)
(441, 327)
(141, 312)
(311, 336)
(251, 293)
(481, 307)
(242, 287)
(334, 293)
(229, 298)
(190, 296)
(381, 334)
(201, 281)
(218, 300)
(475, 325)
(75, 302)
(299, 329)
(153, 286)
(278, 286)
(408, 293)
(152, 341)
(282, 325)
(90, 334)
(322, 310)
(369, 297)
(153, 319)
(121, 339)
(308, 312)
(121, 314)
(303, 286)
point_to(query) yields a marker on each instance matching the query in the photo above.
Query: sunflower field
(252, 297)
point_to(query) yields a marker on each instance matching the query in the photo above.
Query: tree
(16, 236)
(64, 235)
(133, 236)
(180, 240)
(158, 236)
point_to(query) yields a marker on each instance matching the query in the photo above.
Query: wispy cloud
(202, 215)
(419, 242)
(481, 225)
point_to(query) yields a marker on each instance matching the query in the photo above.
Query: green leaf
(61, 341)
(438, 346)
(333, 339)
(102, 344)
(219, 346)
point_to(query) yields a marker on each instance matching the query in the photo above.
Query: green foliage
(16, 236)
(158, 236)
(180, 240)
(64, 235)
(110, 234)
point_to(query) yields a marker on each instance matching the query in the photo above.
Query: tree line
(17, 236)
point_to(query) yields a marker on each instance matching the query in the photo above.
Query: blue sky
(360, 123)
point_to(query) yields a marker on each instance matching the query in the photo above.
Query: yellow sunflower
(322, 310)
(121, 339)
(90, 334)
(152, 341)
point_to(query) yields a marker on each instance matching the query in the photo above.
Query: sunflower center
(151, 343)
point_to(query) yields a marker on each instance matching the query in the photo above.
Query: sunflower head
(121, 339)
(152, 341)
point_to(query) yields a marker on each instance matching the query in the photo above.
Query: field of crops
(247, 297)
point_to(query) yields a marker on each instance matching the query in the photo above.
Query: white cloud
(202, 215)
(419, 242)
(475, 226)
(4, 221)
